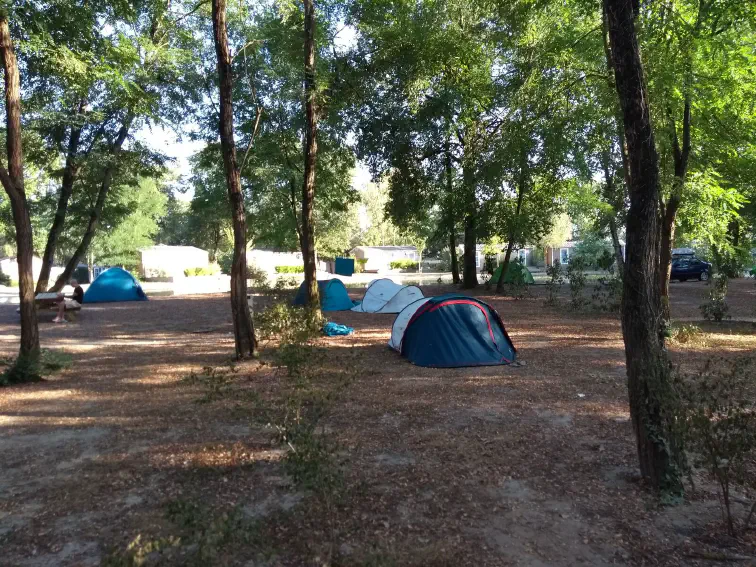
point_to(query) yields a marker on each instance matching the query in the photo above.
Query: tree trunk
(96, 212)
(513, 233)
(66, 189)
(618, 257)
(669, 212)
(470, 272)
(244, 331)
(648, 369)
(453, 254)
(310, 156)
(13, 182)
(450, 212)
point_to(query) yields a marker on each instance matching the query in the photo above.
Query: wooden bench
(50, 301)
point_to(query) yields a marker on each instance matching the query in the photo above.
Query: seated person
(72, 302)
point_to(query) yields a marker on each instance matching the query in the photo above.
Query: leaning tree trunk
(96, 213)
(13, 182)
(648, 369)
(66, 189)
(617, 246)
(310, 156)
(453, 254)
(244, 331)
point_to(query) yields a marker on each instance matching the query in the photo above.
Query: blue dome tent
(114, 284)
(333, 296)
(451, 331)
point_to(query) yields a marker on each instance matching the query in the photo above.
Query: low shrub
(716, 308)
(289, 269)
(5, 279)
(719, 418)
(288, 324)
(359, 265)
(405, 265)
(211, 270)
(607, 292)
(33, 369)
(554, 283)
(687, 334)
(257, 277)
(576, 277)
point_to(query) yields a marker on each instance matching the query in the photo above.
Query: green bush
(211, 270)
(289, 269)
(594, 251)
(359, 265)
(717, 308)
(554, 283)
(576, 277)
(687, 334)
(406, 265)
(719, 419)
(257, 277)
(5, 279)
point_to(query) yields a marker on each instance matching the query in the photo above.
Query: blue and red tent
(451, 331)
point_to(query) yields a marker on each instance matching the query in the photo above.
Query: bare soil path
(531, 465)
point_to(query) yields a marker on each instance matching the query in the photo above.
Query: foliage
(577, 279)
(554, 283)
(607, 292)
(716, 308)
(5, 279)
(33, 368)
(257, 277)
(687, 333)
(594, 252)
(289, 269)
(211, 270)
(720, 417)
(215, 381)
(517, 288)
(404, 265)
(287, 324)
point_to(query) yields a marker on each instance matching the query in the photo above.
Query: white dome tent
(386, 296)
(401, 322)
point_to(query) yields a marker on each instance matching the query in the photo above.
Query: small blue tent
(450, 331)
(333, 296)
(114, 284)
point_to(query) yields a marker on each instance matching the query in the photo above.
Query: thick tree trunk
(244, 331)
(13, 182)
(66, 189)
(310, 156)
(648, 369)
(96, 212)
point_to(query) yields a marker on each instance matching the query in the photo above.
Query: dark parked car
(689, 269)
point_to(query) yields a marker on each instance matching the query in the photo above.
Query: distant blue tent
(114, 284)
(333, 296)
(450, 331)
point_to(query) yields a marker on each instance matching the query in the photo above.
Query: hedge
(210, 270)
(404, 265)
(289, 269)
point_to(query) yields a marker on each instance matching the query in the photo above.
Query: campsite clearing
(531, 465)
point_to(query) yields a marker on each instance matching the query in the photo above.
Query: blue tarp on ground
(114, 284)
(344, 266)
(451, 330)
(333, 296)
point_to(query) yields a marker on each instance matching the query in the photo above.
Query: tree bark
(96, 212)
(450, 213)
(13, 182)
(648, 368)
(513, 233)
(66, 189)
(669, 211)
(244, 331)
(470, 272)
(310, 157)
(618, 257)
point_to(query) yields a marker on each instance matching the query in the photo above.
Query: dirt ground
(532, 465)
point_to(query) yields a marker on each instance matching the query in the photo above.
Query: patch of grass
(25, 369)
(687, 334)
